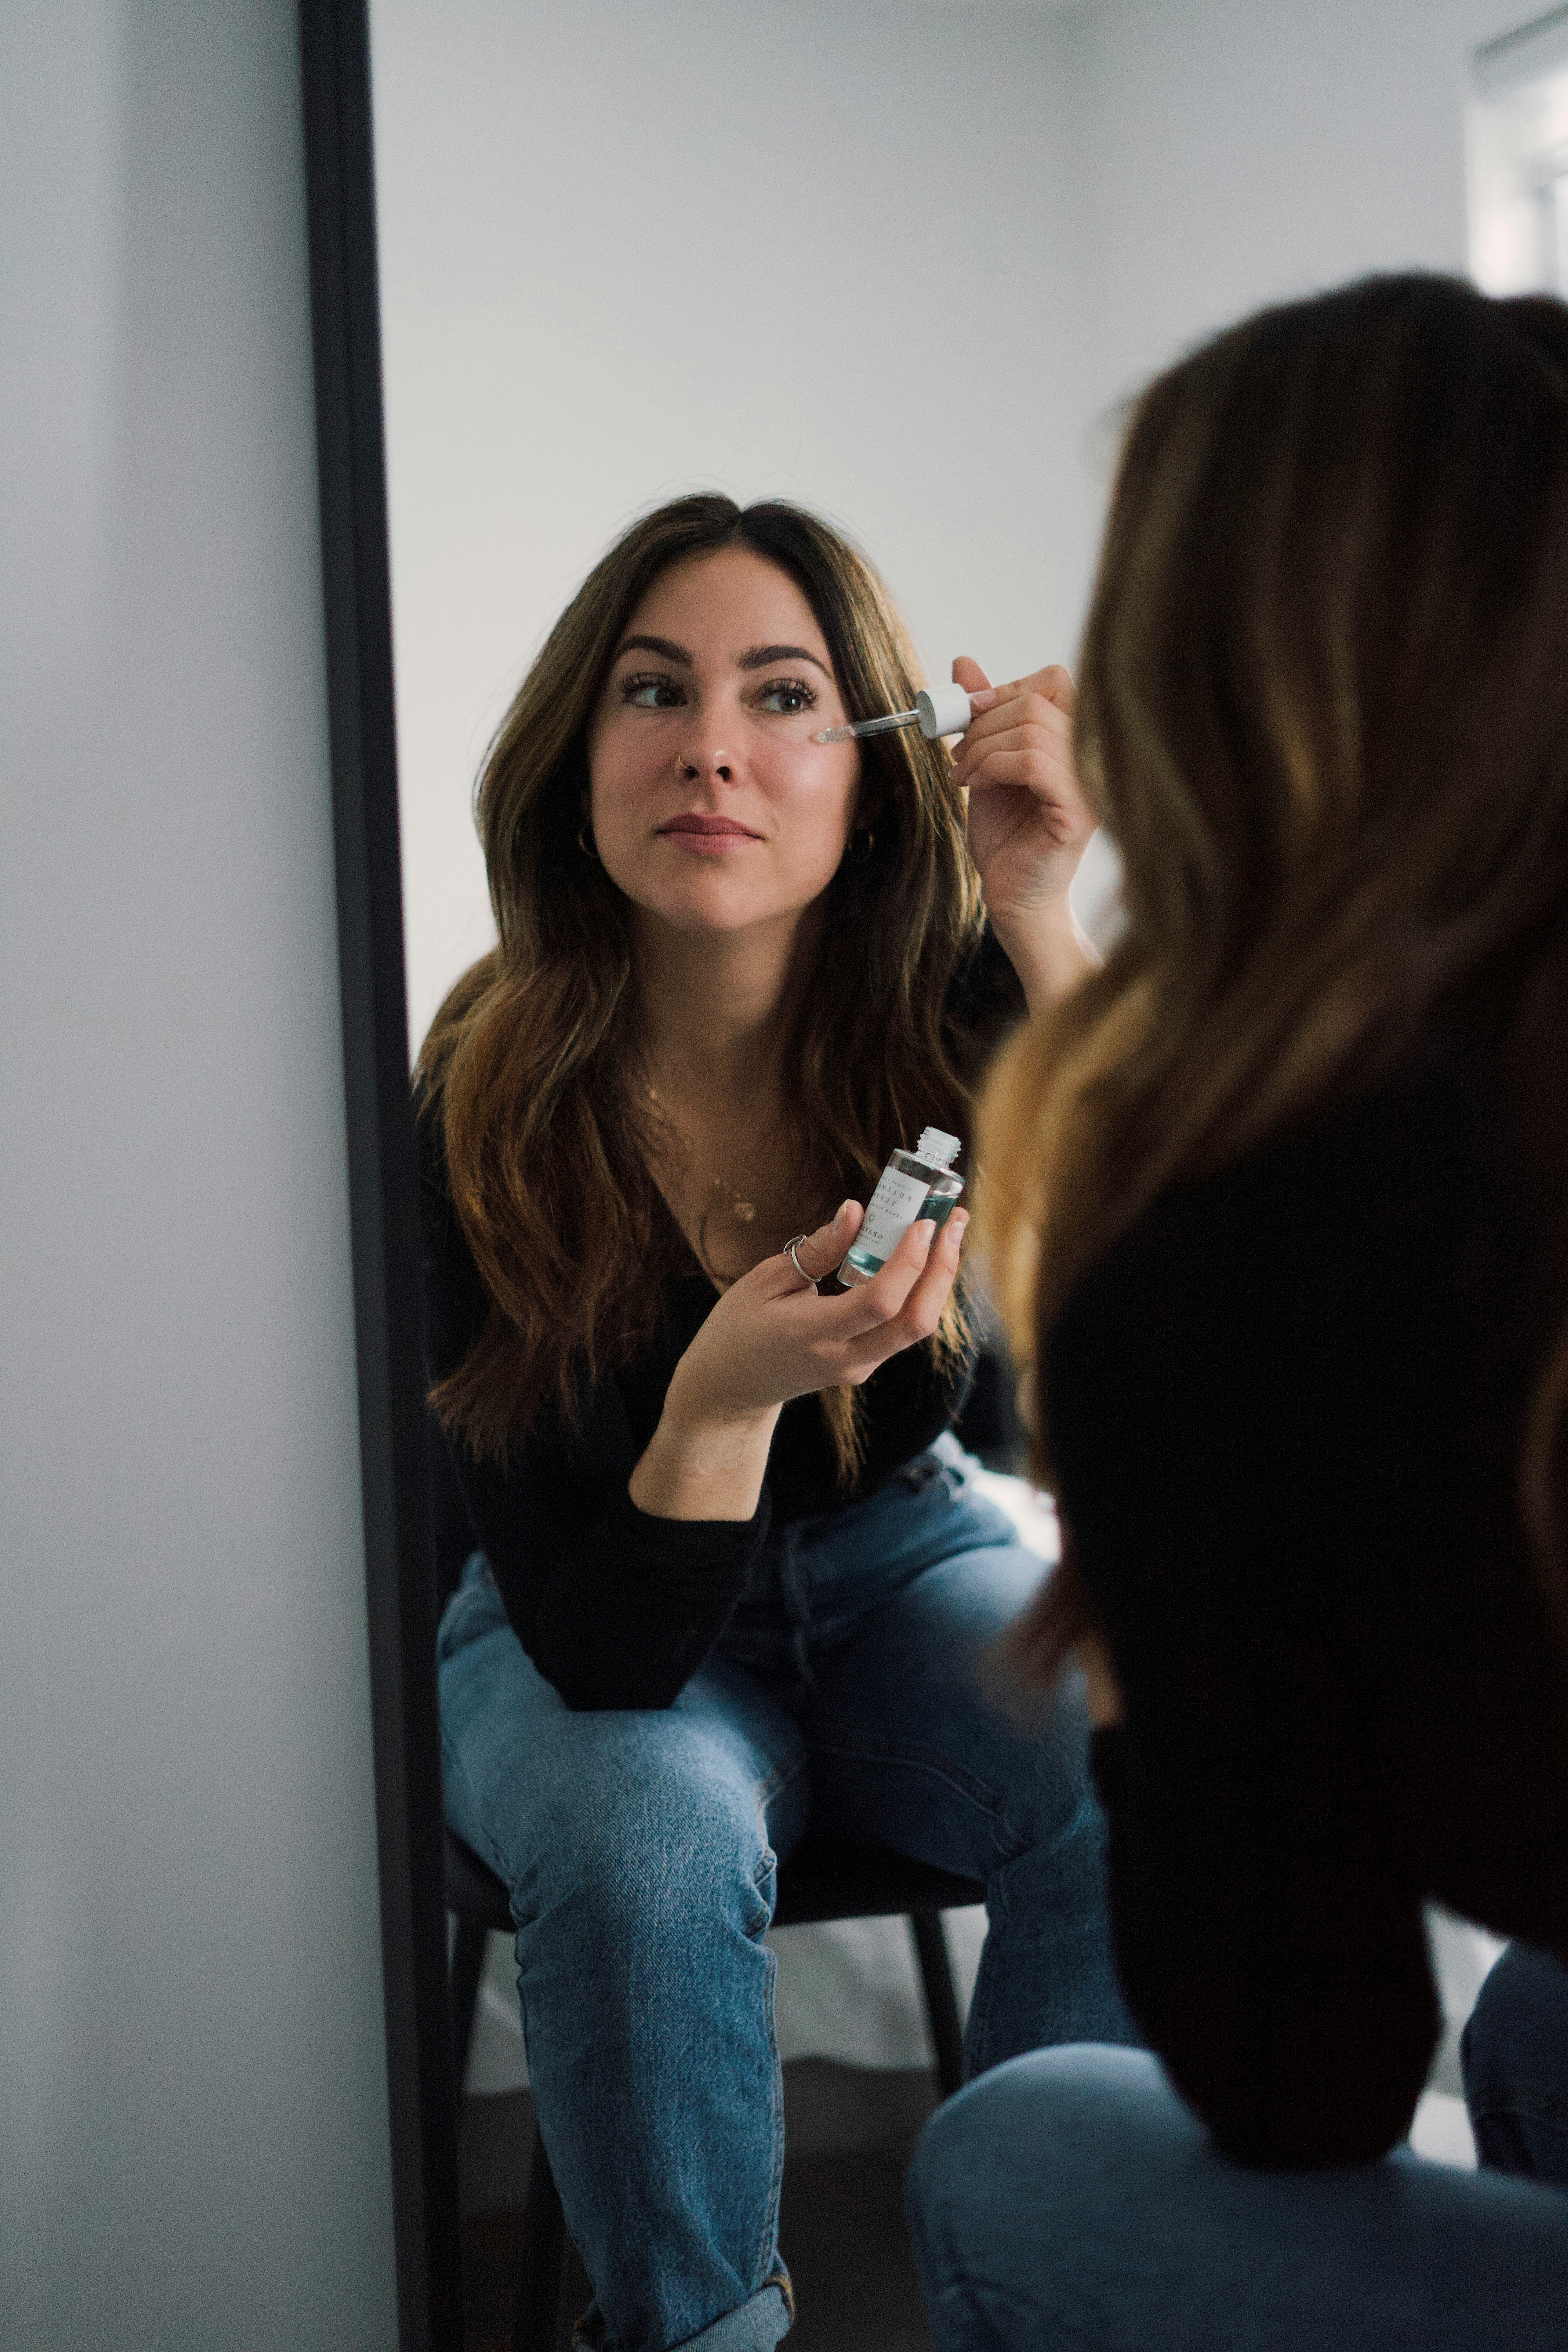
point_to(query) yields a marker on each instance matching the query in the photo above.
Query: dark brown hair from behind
(1323, 712)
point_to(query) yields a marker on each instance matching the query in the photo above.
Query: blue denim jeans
(853, 1693)
(1515, 2055)
(1071, 2202)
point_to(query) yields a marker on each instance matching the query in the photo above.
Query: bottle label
(894, 1206)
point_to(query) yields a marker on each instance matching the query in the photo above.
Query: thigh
(635, 1798)
(1070, 2200)
(920, 1738)
(1515, 2054)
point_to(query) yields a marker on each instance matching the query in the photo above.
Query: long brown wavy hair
(526, 1064)
(1323, 712)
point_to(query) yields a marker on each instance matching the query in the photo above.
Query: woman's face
(712, 807)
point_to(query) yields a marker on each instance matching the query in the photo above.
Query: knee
(1024, 2177)
(1038, 2131)
(1518, 2028)
(654, 1844)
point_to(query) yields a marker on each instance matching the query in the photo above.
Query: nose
(703, 758)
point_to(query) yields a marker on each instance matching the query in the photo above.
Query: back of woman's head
(1324, 698)
(1324, 714)
(526, 1064)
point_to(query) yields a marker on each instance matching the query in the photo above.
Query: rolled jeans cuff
(754, 2325)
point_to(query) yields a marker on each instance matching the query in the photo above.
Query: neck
(715, 1009)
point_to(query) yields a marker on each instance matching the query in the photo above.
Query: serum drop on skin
(918, 1183)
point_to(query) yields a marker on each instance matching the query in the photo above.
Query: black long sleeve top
(615, 1607)
(1287, 1412)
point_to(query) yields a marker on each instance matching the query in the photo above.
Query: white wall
(805, 249)
(1232, 153)
(193, 2104)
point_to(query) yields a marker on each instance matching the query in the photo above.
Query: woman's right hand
(772, 1337)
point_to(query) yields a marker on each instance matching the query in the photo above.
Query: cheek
(615, 786)
(817, 808)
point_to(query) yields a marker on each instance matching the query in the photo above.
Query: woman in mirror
(731, 1576)
(1285, 1189)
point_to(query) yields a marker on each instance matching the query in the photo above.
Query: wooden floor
(842, 2229)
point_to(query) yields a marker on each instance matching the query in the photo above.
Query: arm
(771, 1338)
(1028, 825)
(619, 1572)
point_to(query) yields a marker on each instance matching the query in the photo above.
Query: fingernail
(983, 698)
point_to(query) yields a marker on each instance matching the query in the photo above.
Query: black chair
(820, 1881)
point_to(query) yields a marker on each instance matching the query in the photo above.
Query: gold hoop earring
(586, 842)
(862, 856)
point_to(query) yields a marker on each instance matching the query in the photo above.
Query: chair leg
(941, 1999)
(468, 1965)
(543, 2258)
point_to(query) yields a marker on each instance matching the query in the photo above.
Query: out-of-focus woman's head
(1324, 692)
(1323, 712)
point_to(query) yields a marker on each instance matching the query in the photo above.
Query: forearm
(698, 1469)
(1048, 950)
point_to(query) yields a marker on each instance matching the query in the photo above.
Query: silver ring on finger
(789, 1251)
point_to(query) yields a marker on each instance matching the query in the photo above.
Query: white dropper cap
(943, 711)
(939, 710)
(937, 1150)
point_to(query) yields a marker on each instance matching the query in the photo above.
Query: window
(1518, 157)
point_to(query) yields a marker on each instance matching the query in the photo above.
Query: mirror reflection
(748, 370)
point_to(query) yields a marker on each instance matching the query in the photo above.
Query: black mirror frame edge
(334, 59)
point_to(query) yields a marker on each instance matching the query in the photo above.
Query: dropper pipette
(939, 710)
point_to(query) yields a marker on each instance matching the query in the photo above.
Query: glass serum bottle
(918, 1183)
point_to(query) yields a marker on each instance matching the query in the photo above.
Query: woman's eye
(788, 696)
(651, 693)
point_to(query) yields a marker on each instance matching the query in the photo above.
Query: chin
(713, 904)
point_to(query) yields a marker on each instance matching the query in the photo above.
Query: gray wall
(1231, 152)
(192, 2128)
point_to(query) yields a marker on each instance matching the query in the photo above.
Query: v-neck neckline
(698, 1272)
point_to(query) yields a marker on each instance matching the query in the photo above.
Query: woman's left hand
(1028, 823)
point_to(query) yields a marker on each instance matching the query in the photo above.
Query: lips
(713, 827)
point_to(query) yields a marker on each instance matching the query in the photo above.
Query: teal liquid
(937, 1211)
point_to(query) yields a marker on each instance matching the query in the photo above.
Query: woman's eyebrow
(665, 646)
(763, 656)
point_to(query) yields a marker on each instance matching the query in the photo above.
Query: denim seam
(452, 1772)
(768, 2246)
(982, 2302)
(976, 2322)
(776, 1780)
(956, 2288)
(977, 2030)
(780, 1777)
(768, 2250)
(1529, 2101)
(864, 1748)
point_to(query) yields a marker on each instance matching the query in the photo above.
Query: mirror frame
(383, 1210)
